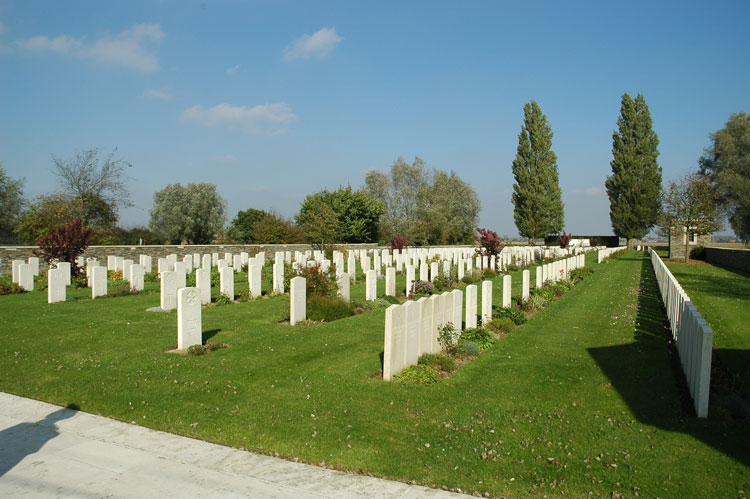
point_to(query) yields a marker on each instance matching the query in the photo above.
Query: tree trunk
(631, 243)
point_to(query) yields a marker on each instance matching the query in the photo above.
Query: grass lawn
(581, 399)
(723, 298)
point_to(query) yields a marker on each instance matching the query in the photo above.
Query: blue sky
(274, 100)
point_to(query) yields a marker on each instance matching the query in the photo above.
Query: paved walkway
(49, 451)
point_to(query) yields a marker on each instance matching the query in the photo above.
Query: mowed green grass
(723, 298)
(581, 399)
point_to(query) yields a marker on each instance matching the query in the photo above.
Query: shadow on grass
(648, 376)
(207, 335)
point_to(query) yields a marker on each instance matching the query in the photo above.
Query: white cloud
(233, 70)
(594, 192)
(266, 117)
(129, 48)
(157, 94)
(318, 45)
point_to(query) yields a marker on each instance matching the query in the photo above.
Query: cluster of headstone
(24, 271)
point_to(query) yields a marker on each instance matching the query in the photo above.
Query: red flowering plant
(564, 239)
(399, 243)
(317, 281)
(489, 242)
(65, 244)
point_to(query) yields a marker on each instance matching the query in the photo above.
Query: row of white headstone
(604, 253)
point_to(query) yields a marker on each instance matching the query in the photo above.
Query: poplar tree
(634, 188)
(536, 194)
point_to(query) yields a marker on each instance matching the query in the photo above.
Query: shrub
(210, 346)
(122, 289)
(65, 244)
(580, 273)
(328, 308)
(546, 292)
(154, 277)
(418, 374)
(448, 338)
(422, 288)
(392, 300)
(399, 242)
(115, 275)
(224, 299)
(79, 281)
(471, 278)
(698, 253)
(502, 326)
(564, 239)
(11, 288)
(444, 282)
(371, 304)
(468, 348)
(533, 304)
(514, 314)
(489, 241)
(483, 337)
(489, 274)
(317, 282)
(438, 361)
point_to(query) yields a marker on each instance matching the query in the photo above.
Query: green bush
(152, 277)
(79, 281)
(10, 288)
(328, 308)
(698, 253)
(502, 326)
(368, 305)
(438, 361)
(533, 304)
(514, 314)
(482, 336)
(121, 289)
(418, 374)
(471, 278)
(468, 348)
(580, 273)
(224, 299)
(210, 346)
(448, 338)
(545, 292)
(317, 282)
(489, 274)
(392, 300)
(115, 275)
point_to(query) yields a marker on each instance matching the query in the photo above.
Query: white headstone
(412, 332)
(65, 268)
(168, 290)
(136, 277)
(297, 300)
(34, 262)
(371, 285)
(506, 291)
(162, 265)
(434, 269)
(486, 302)
(189, 328)
(425, 325)
(145, 261)
(187, 261)
(471, 306)
(390, 281)
(203, 283)
(179, 269)
(344, 286)
(206, 261)
(525, 285)
(111, 262)
(237, 263)
(458, 309)
(278, 277)
(55, 285)
(16, 265)
(226, 282)
(254, 280)
(410, 271)
(98, 281)
(424, 272)
(126, 263)
(394, 348)
(539, 280)
(437, 321)
(26, 276)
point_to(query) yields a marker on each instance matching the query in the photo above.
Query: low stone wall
(738, 259)
(10, 253)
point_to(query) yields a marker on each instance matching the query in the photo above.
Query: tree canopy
(342, 215)
(691, 204)
(193, 214)
(242, 226)
(726, 162)
(634, 188)
(11, 202)
(537, 197)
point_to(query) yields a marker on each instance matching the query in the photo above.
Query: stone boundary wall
(738, 259)
(10, 253)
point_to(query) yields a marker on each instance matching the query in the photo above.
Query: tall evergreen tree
(536, 193)
(634, 188)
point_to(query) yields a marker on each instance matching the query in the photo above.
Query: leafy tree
(537, 198)
(691, 204)
(635, 184)
(11, 202)
(47, 213)
(241, 228)
(65, 244)
(426, 207)
(275, 229)
(727, 164)
(98, 182)
(342, 215)
(194, 213)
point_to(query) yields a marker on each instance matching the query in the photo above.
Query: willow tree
(634, 188)
(536, 194)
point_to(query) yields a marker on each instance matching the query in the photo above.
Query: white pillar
(539, 280)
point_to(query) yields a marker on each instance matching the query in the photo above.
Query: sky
(275, 100)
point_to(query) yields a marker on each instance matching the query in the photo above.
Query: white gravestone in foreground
(471, 306)
(254, 280)
(394, 348)
(486, 302)
(26, 276)
(344, 287)
(371, 285)
(525, 287)
(189, 329)
(136, 277)
(506, 291)
(168, 290)
(437, 321)
(203, 284)
(55, 285)
(226, 282)
(297, 300)
(98, 281)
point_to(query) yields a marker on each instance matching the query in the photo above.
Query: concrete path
(49, 451)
